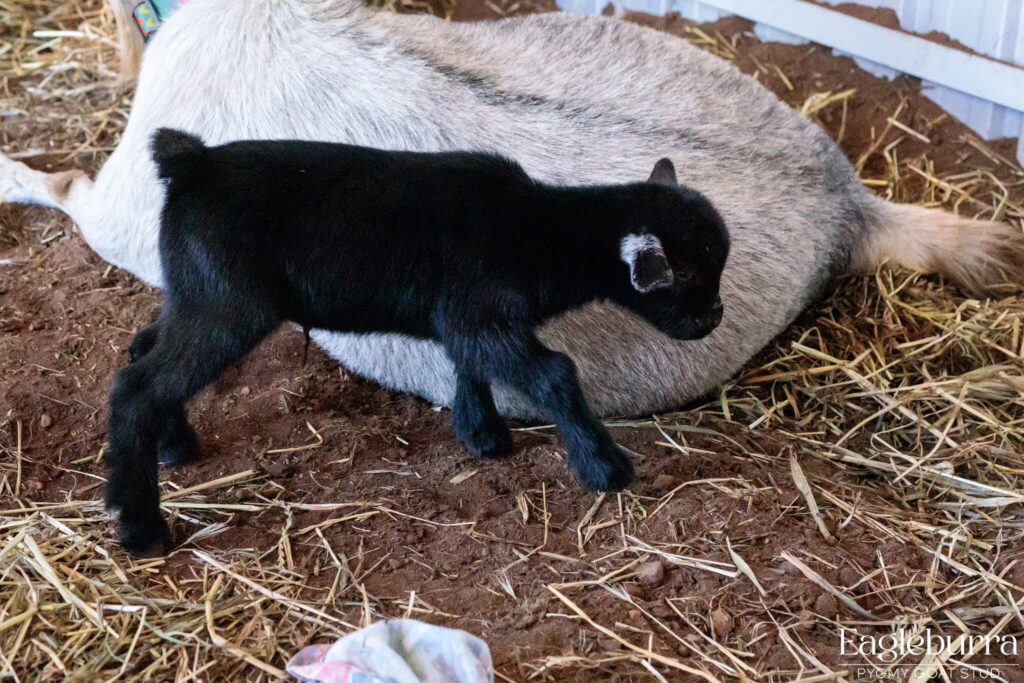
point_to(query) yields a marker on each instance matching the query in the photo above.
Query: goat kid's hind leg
(150, 394)
(475, 417)
(143, 342)
(549, 378)
(178, 443)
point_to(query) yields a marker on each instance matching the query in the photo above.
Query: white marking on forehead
(633, 244)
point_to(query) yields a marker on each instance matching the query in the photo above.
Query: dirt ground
(361, 502)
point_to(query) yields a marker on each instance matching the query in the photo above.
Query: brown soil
(67, 319)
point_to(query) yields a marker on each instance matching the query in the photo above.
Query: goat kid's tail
(982, 256)
(177, 155)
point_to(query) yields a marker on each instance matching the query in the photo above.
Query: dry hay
(897, 379)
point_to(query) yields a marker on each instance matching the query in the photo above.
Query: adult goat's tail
(178, 155)
(129, 39)
(982, 256)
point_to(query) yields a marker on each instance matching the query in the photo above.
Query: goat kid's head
(675, 259)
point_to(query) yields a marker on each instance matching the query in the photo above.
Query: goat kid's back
(380, 240)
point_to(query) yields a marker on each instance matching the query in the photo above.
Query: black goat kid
(461, 248)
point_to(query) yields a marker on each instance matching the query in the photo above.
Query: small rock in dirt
(722, 622)
(826, 605)
(32, 485)
(663, 483)
(242, 494)
(608, 644)
(45, 421)
(651, 574)
(245, 391)
(635, 615)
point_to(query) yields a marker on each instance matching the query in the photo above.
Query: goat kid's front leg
(477, 422)
(550, 380)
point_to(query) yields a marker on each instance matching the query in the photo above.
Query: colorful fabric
(397, 651)
(149, 14)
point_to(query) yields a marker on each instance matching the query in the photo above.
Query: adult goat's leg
(23, 185)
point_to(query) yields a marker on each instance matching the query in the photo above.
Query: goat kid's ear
(664, 173)
(648, 266)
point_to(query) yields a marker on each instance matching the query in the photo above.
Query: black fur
(462, 248)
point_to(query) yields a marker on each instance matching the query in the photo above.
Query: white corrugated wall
(991, 27)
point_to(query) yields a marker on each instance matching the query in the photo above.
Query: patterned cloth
(397, 651)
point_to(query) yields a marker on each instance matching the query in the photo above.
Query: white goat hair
(574, 99)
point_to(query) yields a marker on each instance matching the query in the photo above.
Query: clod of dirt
(662, 483)
(651, 574)
(277, 468)
(1017, 578)
(45, 421)
(805, 619)
(722, 622)
(826, 605)
(662, 611)
(634, 590)
(32, 485)
(848, 576)
(525, 621)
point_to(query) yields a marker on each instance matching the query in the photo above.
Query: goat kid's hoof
(142, 344)
(178, 446)
(609, 469)
(489, 441)
(146, 536)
